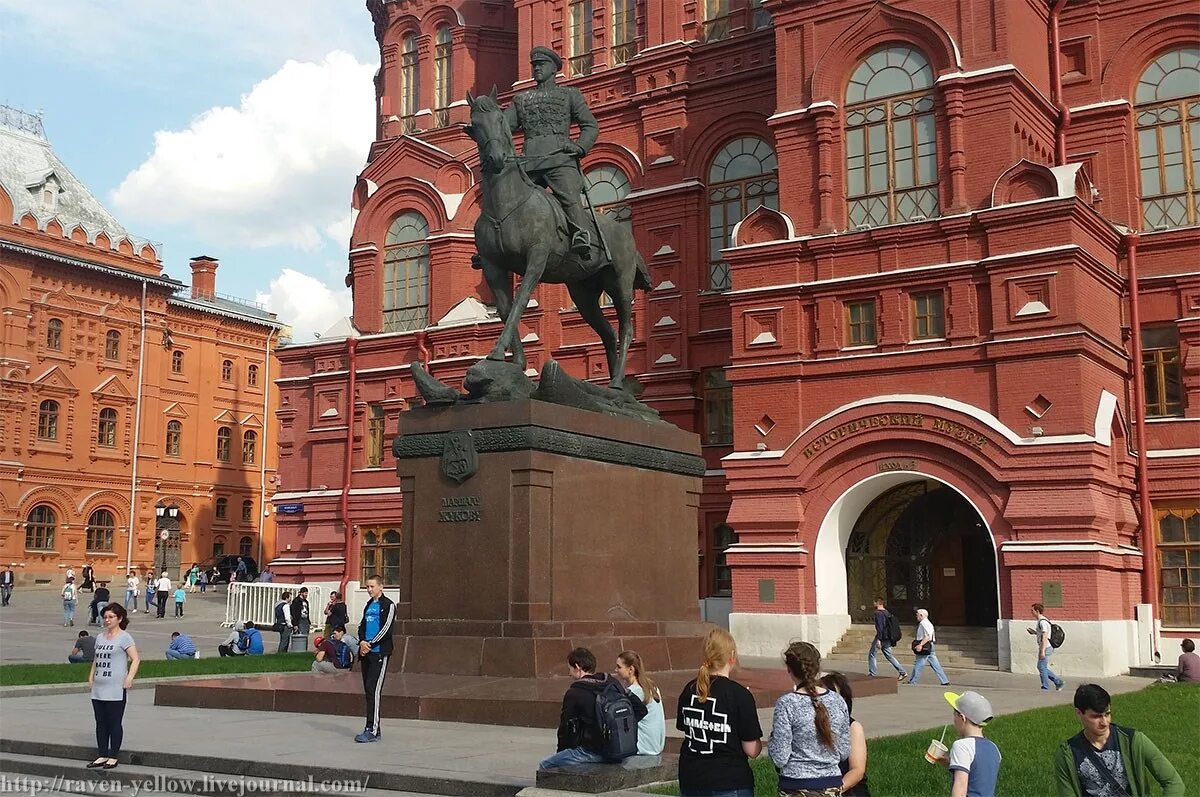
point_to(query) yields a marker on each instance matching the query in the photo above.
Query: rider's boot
(581, 243)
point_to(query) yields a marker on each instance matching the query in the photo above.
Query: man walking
(1041, 630)
(162, 590)
(7, 580)
(374, 650)
(883, 639)
(923, 648)
(283, 621)
(1104, 760)
(545, 113)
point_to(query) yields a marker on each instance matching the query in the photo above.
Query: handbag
(925, 651)
(1105, 772)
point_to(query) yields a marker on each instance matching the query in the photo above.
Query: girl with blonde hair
(720, 726)
(811, 731)
(652, 728)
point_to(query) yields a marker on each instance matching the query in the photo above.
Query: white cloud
(277, 170)
(306, 303)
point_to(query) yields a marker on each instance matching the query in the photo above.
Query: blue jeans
(1045, 672)
(722, 793)
(68, 612)
(887, 654)
(572, 755)
(932, 660)
(131, 596)
(175, 654)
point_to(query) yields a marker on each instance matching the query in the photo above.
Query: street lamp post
(165, 515)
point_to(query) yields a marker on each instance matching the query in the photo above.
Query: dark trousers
(162, 603)
(374, 669)
(225, 650)
(178, 609)
(109, 732)
(565, 182)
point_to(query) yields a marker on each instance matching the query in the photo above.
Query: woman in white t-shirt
(133, 586)
(652, 728)
(113, 670)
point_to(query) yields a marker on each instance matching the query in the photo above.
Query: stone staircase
(962, 647)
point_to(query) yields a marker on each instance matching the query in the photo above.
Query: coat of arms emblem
(459, 458)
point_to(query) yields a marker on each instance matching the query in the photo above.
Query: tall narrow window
(1168, 131)
(252, 376)
(221, 509)
(860, 323)
(929, 319)
(245, 546)
(227, 370)
(112, 345)
(624, 31)
(579, 20)
(406, 274)
(1179, 565)
(375, 444)
(718, 407)
(249, 446)
(443, 75)
(717, 21)
(722, 537)
(177, 362)
(224, 444)
(39, 529)
(410, 78)
(101, 527)
(743, 177)
(380, 556)
(1162, 371)
(48, 420)
(54, 330)
(247, 511)
(759, 17)
(106, 428)
(891, 139)
(218, 548)
(174, 438)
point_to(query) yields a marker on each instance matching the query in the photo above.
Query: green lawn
(26, 674)
(1167, 713)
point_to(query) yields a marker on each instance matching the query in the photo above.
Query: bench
(639, 770)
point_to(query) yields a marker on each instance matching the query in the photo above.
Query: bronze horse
(522, 230)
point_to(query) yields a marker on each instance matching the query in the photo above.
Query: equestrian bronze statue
(523, 229)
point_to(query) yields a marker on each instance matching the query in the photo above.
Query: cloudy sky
(230, 128)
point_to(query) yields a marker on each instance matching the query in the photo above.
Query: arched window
(607, 187)
(249, 446)
(106, 428)
(247, 511)
(224, 444)
(48, 420)
(227, 370)
(252, 376)
(101, 527)
(246, 546)
(39, 529)
(177, 362)
(112, 345)
(624, 32)
(891, 139)
(221, 509)
(54, 330)
(579, 24)
(406, 274)
(443, 75)
(1168, 131)
(742, 178)
(174, 438)
(410, 79)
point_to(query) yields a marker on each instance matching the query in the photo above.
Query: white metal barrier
(255, 600)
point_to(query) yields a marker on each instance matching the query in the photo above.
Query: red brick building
(906, 257)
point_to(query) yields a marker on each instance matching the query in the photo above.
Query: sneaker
(901, 676)
(1058, 687)
(366, 736)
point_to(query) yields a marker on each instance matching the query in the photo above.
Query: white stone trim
(763, 634)
(1095, 105)
(1093, 648)
(990, 70)
(689, 183)
(1068, 546)
(800, 111)
(752, 547)
(1165, 453)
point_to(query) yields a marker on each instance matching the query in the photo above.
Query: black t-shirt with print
(712, 758)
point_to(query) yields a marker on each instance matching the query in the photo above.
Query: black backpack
(1057, 636)
(616, 721)
(893, 629)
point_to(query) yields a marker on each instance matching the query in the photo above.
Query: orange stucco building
(120, 387)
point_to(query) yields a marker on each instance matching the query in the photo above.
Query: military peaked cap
(545, 54)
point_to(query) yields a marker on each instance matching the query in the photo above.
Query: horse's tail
(641, 278)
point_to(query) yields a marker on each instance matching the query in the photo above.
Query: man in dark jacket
(883, 640)
(300, 619)
(374, 651)
(579, 735)
(283, 621)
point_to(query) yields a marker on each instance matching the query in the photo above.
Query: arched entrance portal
(922, 544)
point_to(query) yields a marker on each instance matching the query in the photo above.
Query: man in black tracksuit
(579, 736)
(375, 649)
(300, 618)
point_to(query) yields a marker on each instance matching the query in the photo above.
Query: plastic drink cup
(936, 751)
